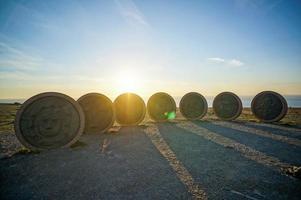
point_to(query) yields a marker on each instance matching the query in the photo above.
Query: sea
(292, 100)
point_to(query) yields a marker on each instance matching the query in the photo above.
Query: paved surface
(173, 163)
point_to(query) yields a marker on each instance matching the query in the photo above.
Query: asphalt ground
(175, 160)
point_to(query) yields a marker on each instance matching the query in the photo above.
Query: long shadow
(285, 152)
(130, 167)
(273, 130)
(224, 172)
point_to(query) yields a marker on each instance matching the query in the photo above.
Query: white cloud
(216, 60)
(236, 63)
(131, 12)
(231, 62)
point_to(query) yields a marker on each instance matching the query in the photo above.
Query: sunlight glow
(128, 81)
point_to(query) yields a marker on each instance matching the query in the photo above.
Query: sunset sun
(128, 81)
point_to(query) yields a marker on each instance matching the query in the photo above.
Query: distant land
(292, 100)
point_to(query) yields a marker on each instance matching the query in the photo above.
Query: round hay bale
(227, 106)
(269, 106)
(161, 107)
(99, 112)
(193, 106)
(129, 109)
(49, 120)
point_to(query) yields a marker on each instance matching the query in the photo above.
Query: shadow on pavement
(129, 167)
(225, 173)
(281, 150)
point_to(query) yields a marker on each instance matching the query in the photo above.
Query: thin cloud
(231, 62)
(264, 6)
(131, 12)
(216, 60)
(13, 57)
(236, 63)
(26, 76)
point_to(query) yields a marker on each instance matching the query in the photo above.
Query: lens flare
(170, 115)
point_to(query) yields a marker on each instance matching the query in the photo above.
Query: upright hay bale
(227, 106)
(269, 106)
(129, 109)
(161, 107)
(193, 106)
(49, 120)
(99, 112)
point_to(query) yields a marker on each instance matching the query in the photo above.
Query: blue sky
(75, 47)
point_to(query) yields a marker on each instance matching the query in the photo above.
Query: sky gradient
(111, 47)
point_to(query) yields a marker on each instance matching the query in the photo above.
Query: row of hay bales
(50, 120)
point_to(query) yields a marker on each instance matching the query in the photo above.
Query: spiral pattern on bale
(269, 106)
(193, 106)
(227, 106)
(99, 112)
(49, 120)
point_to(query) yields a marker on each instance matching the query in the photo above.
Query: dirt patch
(114, 129)
(104, 146)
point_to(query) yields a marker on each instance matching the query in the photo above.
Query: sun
(128, 81)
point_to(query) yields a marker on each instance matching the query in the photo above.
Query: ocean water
(292, 100)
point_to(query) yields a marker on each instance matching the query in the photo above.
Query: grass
(7, 116)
